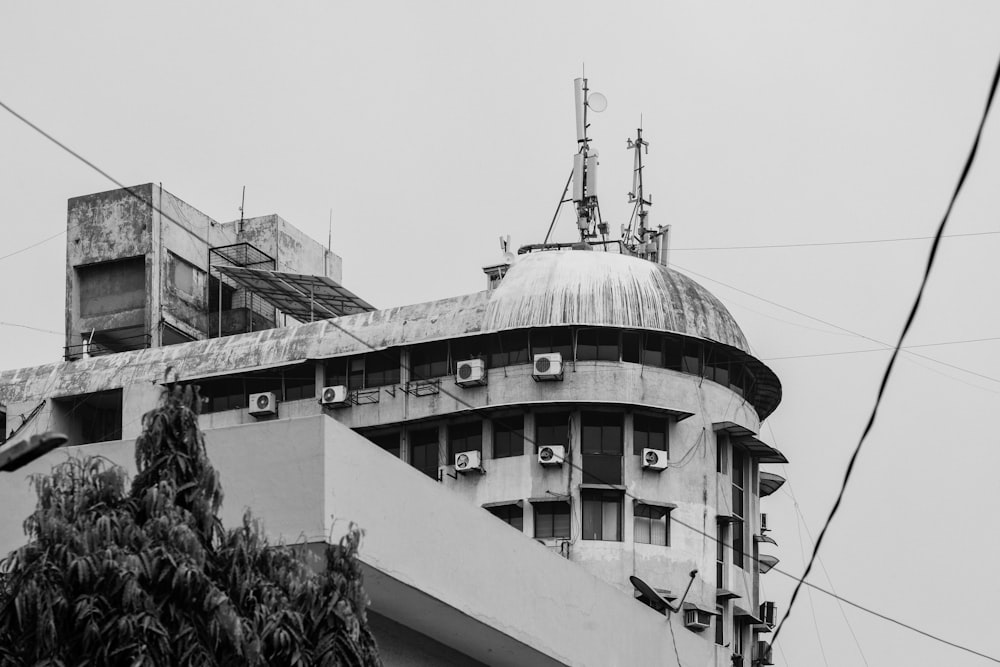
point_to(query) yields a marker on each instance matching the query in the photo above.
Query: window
(652, 525)
(424, 451)
(602, 515)
(508, 436)
(600, 344)
(225, 393)
(299, 382)
(3, 426)
(388, 441)
(717, 367)
(552, 519)
(652, 350)
(632, 346)
(220, 295)
(551, 428)
(375, 369)
(429, 360)
(112, 287)
(738, 644)
(289, 383)
(738, 508)
(691, 361)
(720, 451)
(556, 339)
(719, 626)
(601, 445)
(89, 418)
(512, 514)
(464, 438)
(186, 277)
(509, 348)
(720, 556)
(650, 432)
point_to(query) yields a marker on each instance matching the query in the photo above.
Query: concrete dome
(561, 287)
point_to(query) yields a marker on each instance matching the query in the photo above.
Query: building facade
(604, 407)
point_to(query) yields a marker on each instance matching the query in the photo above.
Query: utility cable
(881, 349)
(887, 346)
(332, 322)
(899, 344)
(829, 243)
(35, 244)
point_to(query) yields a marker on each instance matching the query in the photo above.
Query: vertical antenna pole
(329, 234)
(243, 200)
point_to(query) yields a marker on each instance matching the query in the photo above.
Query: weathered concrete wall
(293, 251)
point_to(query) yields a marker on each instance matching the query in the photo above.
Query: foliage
(150, 577)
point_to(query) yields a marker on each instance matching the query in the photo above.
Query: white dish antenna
(597, 102)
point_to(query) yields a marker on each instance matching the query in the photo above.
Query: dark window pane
(464, 438)
(597, 344)
(551, 428)
(691, 361)
(508, 436)
(471, 347)
(673, 353)
(429, 360)
(424, 451)
(602, 512)
(649, 432)
(509, 348)
(509, 514)
(602, 469)
(555, 339)
(632, 346)
(300, 382)
(601, 432)
(652, 350)
(382, 368)
(552, 519)
(387, 441)
(335, 372)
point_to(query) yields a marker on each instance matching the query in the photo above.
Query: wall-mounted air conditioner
(697, 620)
(336, 396)
(264, 404)
(471, 461)
(548, 366)
(763, 523)
(471, 373)
(551, 455)
(654, 459)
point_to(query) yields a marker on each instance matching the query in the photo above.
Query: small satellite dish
(597, 102)
(509, 257)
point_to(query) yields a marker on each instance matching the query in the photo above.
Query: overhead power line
(895, 353)
(880, 349)
(833, 243)
(476, 410)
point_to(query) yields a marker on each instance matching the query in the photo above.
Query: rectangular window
(424, 451)
(509, 348)
(429, 360)
(508, 436)
(512, 515)
(186, 277)
(601, 445)
(551, 428)
(691, 361)
(388, 441)
(602, 515)
(652, 350)
(300, 382)
(738, 508)
(555, 339)
(649, 432)
(552, 520)
(719, 633)
(631, 346)
(464, 438)
(673, 353)
(335, 372)
(720, 556)
(597, 344)
(90, 418)
(720, 451)
(112, 287)
(382, 368)
(652, 525)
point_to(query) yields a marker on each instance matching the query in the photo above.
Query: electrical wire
(33, 245)
(899, 344)
(834, 243)
(331, 322)
(887, 346)
(881, 349)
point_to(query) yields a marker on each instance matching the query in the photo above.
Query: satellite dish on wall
(597, 102)
(509, 257)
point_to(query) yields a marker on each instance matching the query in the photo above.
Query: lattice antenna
(588, 212)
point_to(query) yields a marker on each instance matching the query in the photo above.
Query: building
(603, 406)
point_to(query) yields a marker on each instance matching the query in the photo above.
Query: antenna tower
(638, 237)
(588, 211)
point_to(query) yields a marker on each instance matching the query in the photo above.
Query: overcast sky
(430, 129)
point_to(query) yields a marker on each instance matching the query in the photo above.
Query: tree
(149, 576)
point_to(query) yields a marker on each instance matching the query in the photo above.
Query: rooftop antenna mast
(638, 237)
(588, 211)
(243, 200)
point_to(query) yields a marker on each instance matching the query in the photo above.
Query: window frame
(638, 511)
(563, 515)
(593, 526)
(506, 423)
(509, 513)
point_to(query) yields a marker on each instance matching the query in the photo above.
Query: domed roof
(560, 287)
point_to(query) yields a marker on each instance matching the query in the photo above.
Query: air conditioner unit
(263, 404)
(654, 459)
(471, 373)
(763, 523)
(697, 619)
(336, 396)
(469, 461)
(767, 613)
(548, 366)
(763, 656)
(551, 455)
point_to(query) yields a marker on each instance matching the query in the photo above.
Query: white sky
(432, 128)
